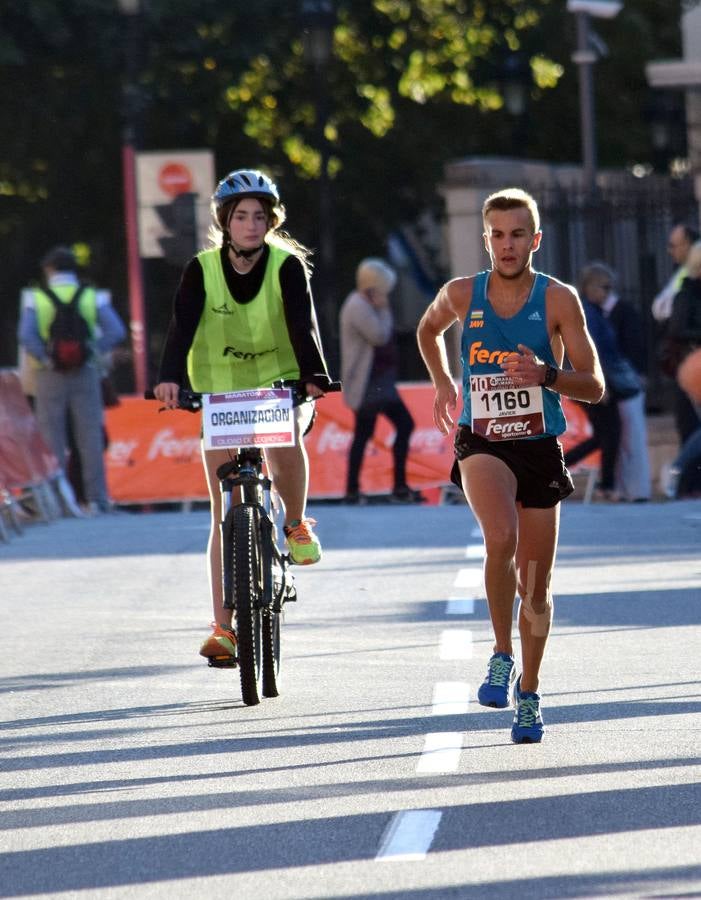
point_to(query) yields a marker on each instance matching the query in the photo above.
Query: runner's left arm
(584, 380)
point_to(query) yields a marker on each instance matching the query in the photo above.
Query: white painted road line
(474, 551)
(460, 606)
(409, 835)
(441, 753)
(456, 643)
(450, 698)
(469, 578)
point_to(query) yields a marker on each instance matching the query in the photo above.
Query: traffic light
(180, 218)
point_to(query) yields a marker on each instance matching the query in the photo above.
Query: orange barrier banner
(155, 457)
(24, 457)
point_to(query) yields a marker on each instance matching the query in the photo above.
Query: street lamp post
(131, 9)
(318, 20)
(514, 80)
(585, 57)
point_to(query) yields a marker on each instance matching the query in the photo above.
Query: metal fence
(626, 225)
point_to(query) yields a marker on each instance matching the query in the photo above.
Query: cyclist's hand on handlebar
(313, 390)
(167, 393)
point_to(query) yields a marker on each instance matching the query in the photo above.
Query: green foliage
(411, 85)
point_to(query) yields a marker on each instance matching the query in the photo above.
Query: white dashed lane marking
(474, 551)
(469, 578)
(460, 606)
(456, 643)
(409, 835)
(450, 698)
(441, 753)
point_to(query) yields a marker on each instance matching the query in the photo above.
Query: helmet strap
(246, 254)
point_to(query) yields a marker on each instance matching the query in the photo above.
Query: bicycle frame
(243, 482)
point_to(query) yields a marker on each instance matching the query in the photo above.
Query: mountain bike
(257, 580)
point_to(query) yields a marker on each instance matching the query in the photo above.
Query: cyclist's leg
(535, 557)
(289, 468)
(212, 459)
(490, 489)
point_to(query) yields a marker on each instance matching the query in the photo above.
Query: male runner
(517, 327)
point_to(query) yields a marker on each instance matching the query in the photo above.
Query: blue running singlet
(488, 339)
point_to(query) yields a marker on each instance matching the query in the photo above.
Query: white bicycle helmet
(244, 183)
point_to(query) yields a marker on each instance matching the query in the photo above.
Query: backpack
(68, 345)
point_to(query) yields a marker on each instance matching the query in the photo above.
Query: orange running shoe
(305, 549)
(221, 644)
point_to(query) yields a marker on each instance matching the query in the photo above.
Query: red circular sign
(175, 178)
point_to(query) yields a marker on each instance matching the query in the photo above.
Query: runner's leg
(490, 489)
(535, 557)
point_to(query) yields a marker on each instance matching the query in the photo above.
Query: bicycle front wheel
(248, 590)
(271, 653)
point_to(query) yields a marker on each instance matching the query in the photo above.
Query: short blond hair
(512, 198)
(373, 273)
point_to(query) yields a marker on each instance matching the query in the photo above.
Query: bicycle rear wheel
(248, 590)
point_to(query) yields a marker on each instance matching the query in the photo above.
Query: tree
(413, 84)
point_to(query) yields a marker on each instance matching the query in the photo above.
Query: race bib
(503, 410)
(261, 418)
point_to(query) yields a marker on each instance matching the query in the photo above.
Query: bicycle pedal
(222, 662)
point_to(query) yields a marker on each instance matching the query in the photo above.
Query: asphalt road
(130, 769)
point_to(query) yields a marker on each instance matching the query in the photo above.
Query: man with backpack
(64, 328)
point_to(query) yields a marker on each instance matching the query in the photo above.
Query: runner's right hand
(445, 402)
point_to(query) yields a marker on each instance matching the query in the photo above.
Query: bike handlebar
(192, 400)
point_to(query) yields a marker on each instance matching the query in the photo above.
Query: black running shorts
(538, 465)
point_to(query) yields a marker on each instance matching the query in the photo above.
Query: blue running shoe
(528, 722)
(516, 692)
(494, 690)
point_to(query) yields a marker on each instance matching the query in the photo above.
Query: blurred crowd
(619, 425)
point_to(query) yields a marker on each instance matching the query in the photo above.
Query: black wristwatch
(551, 373)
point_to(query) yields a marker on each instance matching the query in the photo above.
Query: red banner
(155, 457)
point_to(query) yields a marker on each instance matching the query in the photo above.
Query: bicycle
(256, 575)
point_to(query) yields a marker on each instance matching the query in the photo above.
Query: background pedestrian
(70, 395)
(369, 371)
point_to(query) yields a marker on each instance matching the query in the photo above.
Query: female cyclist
(243, 318)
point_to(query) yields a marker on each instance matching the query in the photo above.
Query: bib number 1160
(503, 401)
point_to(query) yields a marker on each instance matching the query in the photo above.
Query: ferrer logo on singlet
(480, 355)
